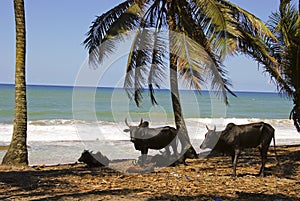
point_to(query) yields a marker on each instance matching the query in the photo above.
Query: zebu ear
(126, 130)
(144, 124)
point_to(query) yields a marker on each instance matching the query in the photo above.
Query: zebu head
(211, 139)
(135, 131)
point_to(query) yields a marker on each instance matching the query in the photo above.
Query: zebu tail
(272, 131)
(275, 149)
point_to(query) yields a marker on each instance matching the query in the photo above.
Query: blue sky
(56, 29)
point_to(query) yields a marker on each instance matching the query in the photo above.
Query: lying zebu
(235, 138)
(145, 138)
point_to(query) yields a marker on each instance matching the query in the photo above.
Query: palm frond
(130, 83)
(111, 25)
(139, 61)
(220, 25)
(230, 25)
(287, 49)
(196, 66)
(158, 65)
(248, 19)
(206, 57)
(147, 54)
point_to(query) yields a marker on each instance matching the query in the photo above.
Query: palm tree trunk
(187, 150)
(17, 152)
(295, 113)
(177, 110)
(296, 110)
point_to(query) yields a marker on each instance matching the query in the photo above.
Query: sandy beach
(111, 97)
(201, 179)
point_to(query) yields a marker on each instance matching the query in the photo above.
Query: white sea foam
(285, 132)
(62, 141)
(74, 130)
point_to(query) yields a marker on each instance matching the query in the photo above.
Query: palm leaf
(249, 19)
(146, 55)
(157, 70)
(285, 50)
(196, 66)
(111, 25)
(220, 25)
(205, 58)
(138, 64)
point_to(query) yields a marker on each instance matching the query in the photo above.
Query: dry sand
(201, 179)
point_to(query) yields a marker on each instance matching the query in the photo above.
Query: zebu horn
(141, 121)
(215, 128)
(126, 122)
(207, 127)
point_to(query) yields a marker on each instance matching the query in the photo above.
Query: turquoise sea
(55, 102)
(63, 121)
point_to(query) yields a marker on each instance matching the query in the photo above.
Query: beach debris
(189, 178)
(93, 160)
(140, 169)
(174, 174)
(207, 179)
(39, 166)
(250, 162)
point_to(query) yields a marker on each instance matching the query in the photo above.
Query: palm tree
(285, 23)
(191, 36)
(17, 152)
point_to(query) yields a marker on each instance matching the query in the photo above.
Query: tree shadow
(92, 194)
(27, 181)
(289, 162)
(31, 182)
(239, 196)
(41, 184)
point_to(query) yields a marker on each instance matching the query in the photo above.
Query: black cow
(235, 138)
(145, 138)
(93, 160)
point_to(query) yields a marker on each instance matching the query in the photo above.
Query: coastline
(55, 153)
(3, 148)
(54, 142)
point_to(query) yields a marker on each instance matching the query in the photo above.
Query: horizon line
(112, 87)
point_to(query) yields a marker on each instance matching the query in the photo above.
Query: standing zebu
(235, 138)
(145, 138)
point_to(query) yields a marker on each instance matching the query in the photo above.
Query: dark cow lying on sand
(235, 138)
(145, 138)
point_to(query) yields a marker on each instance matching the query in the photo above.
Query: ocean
(64, 121)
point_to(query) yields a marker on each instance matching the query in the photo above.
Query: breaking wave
(79, 130)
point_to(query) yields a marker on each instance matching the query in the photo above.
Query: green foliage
(285, 23)
(200, 32)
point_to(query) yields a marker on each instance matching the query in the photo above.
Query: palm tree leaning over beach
(17, 152)
(200, 33)
(286, 25)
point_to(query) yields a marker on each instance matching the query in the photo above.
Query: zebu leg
(174, 146)
(263, 153)
(144, 156)
(167, 151)
(236, 156)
